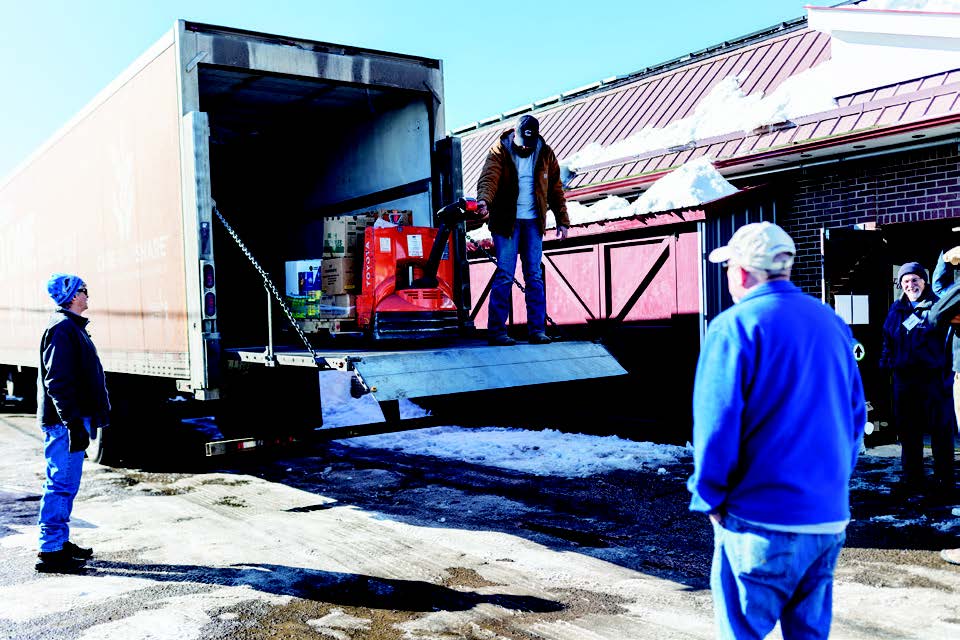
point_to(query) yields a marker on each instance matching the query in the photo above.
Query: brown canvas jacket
(499, 186)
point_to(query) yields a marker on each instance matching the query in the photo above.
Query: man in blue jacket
(779, 414)
(72, 401)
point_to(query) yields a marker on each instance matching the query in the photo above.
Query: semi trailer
(184, 188)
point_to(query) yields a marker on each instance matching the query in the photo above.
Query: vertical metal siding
(718, 230)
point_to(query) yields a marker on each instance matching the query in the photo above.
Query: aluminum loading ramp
(419, 373)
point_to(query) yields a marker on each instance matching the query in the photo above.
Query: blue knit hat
(62, 287)
(912, 267)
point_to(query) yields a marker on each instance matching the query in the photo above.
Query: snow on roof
(725, 109)
(891, 107)
(690, 185)
(728, 108)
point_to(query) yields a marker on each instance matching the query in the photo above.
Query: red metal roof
(882, 111)
(656, 100)
(609, 116)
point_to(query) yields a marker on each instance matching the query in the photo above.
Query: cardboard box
(302, 277)
(338, 275)
(340, 306)
(343, 236)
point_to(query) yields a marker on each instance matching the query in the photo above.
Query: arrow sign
(858, 351)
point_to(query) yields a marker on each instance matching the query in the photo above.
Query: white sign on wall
(854, 309)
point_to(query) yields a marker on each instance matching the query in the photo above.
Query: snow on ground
(541, 453)
(339, 625)
(340, 409)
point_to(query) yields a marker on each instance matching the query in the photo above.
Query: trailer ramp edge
(419, 374)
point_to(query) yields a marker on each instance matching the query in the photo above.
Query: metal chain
(269, 284)
(492, 259)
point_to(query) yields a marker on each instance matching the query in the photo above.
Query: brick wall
(905, 187)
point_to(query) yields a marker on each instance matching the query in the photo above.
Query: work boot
(539, 338)
(58, 562)
(80, 553)
(501, 340)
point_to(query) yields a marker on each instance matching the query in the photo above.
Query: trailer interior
(287, 152)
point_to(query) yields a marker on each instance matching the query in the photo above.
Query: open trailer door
(857, 282)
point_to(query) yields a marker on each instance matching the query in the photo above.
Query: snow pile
(895, 521)
(542, 453)
(690, 185)
(340, 409)
(609, 208)
(947, 525)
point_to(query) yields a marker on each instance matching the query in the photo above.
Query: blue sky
(497, 54)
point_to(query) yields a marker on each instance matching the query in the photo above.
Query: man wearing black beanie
(914, 352)
(520, 180)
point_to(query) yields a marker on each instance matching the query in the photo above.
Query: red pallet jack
(407, 281)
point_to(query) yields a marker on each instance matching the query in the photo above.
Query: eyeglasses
(83, 290)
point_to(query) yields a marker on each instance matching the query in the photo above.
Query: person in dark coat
(914, 350)
(519, 181)
(946, 275)
(72, 401)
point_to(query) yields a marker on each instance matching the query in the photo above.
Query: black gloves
(79, 438)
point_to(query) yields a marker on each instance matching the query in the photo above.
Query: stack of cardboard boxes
(328, 288)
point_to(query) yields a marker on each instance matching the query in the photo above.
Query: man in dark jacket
(72, 401)
(520, 180)
(914, 350)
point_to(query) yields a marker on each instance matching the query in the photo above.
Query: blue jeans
(761, 576)
(59, 490)
(527, 242)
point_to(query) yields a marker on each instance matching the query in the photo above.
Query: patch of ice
(948, 525)
(339, 625)
(897, 522)
(546, 452)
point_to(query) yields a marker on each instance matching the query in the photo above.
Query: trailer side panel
(103, 199)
